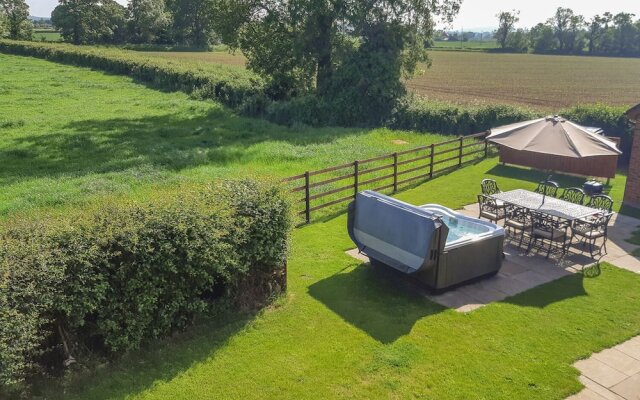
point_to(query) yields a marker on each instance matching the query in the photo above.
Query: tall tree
(90, 21)
(596, 28)
(192, 21)
(299, 44)
(625, 33)
(16, 17)
(507, 22)
(146, 18)
(566, 25)
(542, 39)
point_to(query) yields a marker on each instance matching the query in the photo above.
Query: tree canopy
(14, 19)
(331, 47)
(507, 21)
(90, 21)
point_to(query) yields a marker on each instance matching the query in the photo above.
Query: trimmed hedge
(110, 278)
(231, 86)
(247, 94)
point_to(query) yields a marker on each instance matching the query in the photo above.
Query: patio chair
(549, 188)
(589, 231)
(573, 195)
(489, 208)
(601, 202)
(489, 187)
(517, 221)
(550, 232)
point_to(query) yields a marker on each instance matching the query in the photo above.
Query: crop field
(539, 81)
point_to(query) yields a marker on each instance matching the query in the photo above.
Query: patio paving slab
(612, 374)
(598, 389)
(629, 389)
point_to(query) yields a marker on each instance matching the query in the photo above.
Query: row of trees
(188, 22)
(569, 33)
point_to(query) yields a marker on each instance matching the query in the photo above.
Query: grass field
(539, 81)
(68, 134)
(46, 35)
(472, 45)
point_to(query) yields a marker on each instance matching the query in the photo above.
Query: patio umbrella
(553, 135)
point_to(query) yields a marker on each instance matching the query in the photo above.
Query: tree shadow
(169, 142)
(158, 361)
(373, 300)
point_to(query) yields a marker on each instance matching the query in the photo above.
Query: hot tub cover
(395, 233)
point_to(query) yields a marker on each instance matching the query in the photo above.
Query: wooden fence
(327, 187)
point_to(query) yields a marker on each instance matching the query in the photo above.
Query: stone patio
(521, 272)
(612, 374)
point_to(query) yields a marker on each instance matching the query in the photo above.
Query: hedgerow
(249, 95)
(228, 85)
(109, 278)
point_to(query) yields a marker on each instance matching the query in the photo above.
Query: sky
(476, 14)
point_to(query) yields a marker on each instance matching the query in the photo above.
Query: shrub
(113, 277)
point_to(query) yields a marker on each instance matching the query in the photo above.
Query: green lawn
(343, 331)
(69, 135)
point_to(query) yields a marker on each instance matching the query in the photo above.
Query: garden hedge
(248, 94)
(107, 279)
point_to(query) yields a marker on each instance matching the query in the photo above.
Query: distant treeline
(569, 33)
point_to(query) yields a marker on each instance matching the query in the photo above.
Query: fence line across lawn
(334, 185)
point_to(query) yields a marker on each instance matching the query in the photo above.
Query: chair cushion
(516, 224)
(557, 234)
(593, 234)
(489, 215)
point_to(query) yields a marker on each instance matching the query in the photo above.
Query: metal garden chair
(548, 232)
(573, 195)
(589, 231)
(490, 209)
(548, 188)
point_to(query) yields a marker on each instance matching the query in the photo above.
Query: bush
(113, 277)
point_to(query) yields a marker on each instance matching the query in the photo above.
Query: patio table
(550, 205)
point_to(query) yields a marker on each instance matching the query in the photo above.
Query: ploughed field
(544, 82)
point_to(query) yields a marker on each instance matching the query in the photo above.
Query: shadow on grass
(158, 361)
(169, 142)
(372, 300)
(565, 288)
(535, 176)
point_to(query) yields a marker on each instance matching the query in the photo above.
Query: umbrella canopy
(555, 136)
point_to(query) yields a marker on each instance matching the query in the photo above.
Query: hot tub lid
(394, 232)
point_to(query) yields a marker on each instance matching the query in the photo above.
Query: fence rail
(385, 172)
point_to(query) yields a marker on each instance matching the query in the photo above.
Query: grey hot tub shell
(413, 240)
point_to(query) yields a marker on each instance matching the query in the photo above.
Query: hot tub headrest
(393, 232)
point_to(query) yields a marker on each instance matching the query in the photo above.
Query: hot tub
(435, 245)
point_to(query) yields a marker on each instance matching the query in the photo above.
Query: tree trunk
(323, 48)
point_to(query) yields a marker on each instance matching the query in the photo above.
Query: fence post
(486, 147)
(355, 178)
(431, 161)
(395, 172)
(307, 201)
(460, 151)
